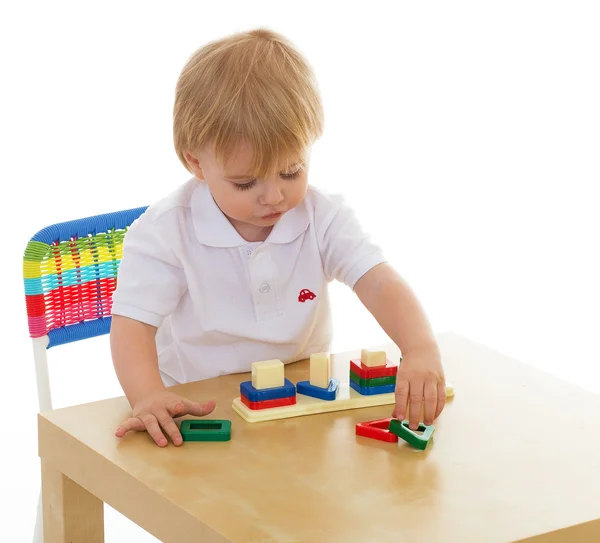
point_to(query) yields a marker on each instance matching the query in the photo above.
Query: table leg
(71, 513)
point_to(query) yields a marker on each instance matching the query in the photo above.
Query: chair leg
(45, 404)
(40, 345)
(38, 534)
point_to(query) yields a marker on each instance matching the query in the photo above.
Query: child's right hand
(156, 412)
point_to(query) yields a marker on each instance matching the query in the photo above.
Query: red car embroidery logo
(306, 294)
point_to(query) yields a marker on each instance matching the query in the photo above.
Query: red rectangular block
(266, 404)
(369, 373)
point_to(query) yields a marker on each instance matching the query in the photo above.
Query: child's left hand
(420, 385)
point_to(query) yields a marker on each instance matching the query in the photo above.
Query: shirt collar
(214, 229)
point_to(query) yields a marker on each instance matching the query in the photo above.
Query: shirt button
(264, 288)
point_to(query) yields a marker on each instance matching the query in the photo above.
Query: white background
(466, 134)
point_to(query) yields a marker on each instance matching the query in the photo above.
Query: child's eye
(245, 186)
(292, 175)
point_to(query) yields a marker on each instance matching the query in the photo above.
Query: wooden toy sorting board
(346, 398)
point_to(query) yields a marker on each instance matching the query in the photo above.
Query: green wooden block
(401, 429)
(205, 430)
(374, 381)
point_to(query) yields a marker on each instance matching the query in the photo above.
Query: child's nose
(273, 195)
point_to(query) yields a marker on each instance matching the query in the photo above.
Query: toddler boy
(233, 266)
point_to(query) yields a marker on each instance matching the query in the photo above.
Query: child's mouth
(273, 216)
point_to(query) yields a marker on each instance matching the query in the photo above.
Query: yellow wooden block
(320, 370)
(267, 374)
(373, 359)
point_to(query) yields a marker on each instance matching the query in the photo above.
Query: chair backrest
(69, 273)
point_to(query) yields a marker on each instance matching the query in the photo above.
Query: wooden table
(516, 455)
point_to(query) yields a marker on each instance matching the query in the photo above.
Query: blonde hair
(251, 86)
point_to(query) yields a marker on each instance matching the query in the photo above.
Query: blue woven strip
(79, 228)
(81, 330)
(68, 278)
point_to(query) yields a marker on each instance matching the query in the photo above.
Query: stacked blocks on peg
(320, 385)
(373, 373)
(268, 388)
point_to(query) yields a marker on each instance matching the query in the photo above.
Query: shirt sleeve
(150, 280)
(347, 251)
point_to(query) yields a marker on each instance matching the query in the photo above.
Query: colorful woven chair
(70, 272)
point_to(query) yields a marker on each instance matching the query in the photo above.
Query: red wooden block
(266, 404)
(369, 373)
(376, 429)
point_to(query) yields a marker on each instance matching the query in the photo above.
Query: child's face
(253, 206)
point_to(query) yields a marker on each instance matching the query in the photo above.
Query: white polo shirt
(220, 302)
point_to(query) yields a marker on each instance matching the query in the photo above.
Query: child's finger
(431, 392)
(175, 407)
(168, 425)
(415, 399)
(153, 428)
(402, 390)
(198, 409)
(132, 423)
(441, 398)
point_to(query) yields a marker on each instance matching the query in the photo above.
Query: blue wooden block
(369, 391)
(329, 393)
(276, 393)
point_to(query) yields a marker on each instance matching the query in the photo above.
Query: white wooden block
(373, 359)
(267, 374)
(320, 370)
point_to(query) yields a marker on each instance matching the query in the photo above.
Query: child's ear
(194, 164)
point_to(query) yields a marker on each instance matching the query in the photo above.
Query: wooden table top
(515, 454)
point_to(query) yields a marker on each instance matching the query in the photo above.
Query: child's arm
(135, 359)
(420, 376)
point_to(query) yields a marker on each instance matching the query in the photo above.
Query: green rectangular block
(205, 430)
(374, 381)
